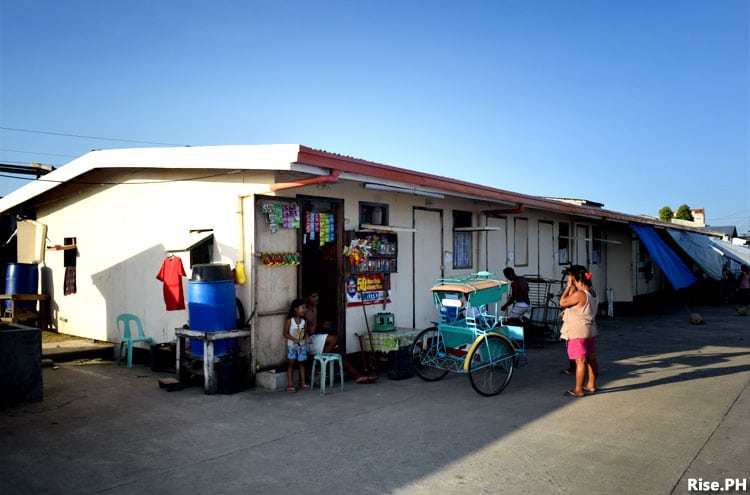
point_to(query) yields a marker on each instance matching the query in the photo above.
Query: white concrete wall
(122, 232)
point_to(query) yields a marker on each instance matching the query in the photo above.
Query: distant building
(699, 218)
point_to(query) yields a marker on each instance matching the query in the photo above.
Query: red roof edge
(334, 161)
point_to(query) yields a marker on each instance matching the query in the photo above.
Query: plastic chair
(327, 360)
(127, 337)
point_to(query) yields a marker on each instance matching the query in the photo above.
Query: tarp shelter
(701, 250)
(673, 267)
(740, 254)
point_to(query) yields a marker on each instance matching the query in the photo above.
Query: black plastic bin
(230, 375)
(164, 357)
(399, 364)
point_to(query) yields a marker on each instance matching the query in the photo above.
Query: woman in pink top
(579, 328)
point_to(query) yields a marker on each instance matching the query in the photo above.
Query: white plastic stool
(327, 360)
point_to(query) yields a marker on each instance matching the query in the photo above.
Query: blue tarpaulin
(671, 264)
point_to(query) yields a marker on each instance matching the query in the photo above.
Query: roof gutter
(509, 211)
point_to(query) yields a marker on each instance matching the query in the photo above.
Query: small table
(16, 313)
(388, 341)
(209, 360)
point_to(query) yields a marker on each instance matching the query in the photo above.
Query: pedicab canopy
(477, 289)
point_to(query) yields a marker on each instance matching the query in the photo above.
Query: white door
(546, 250)
(428, 262)
(599, 262)
(582, 240)
(497, 246)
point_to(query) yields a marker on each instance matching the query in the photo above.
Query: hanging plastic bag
(239, 273)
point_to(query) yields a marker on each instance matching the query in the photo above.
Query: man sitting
(326, 342)
(520, 313)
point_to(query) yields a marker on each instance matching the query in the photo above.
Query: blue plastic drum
(22, 278)
(211, 308)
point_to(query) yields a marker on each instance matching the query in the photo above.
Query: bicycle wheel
(491, 365)
(424, 352)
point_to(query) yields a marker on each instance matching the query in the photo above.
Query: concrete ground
(672, 405)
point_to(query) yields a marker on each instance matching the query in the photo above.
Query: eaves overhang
(456, 187)
(231, 157)
(310, 162)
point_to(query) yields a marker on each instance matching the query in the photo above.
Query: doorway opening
(321, 260)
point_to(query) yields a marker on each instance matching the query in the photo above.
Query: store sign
(366, 288)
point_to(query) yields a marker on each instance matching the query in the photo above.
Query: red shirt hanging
(170, 272)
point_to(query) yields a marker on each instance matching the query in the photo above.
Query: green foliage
(666, 214)
(684, 213)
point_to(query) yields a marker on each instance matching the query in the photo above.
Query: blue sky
(634, 104)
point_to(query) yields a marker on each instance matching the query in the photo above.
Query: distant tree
(684, 213)
(666, 214)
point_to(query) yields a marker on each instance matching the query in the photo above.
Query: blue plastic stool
(327, 360)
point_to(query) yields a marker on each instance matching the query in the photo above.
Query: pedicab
(471, 336)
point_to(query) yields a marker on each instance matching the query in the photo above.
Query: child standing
(296, 343)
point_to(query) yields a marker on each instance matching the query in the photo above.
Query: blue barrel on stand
(22, 278)
(211, 307)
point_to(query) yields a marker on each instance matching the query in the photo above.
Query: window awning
(189, 241)
(386, 228)
(678, 274)
(698, 247)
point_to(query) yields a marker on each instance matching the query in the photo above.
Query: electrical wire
(36, 153)
(22, 164)
(81, 136)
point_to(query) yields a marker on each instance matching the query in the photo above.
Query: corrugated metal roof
(309, 161)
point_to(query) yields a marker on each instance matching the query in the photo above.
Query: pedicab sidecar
(470, 336)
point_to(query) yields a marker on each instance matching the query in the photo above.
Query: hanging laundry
(170, 273)
(70, 281)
